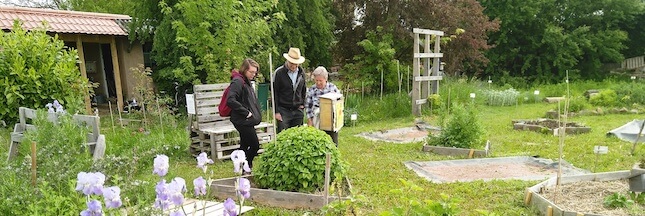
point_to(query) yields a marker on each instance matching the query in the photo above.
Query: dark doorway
(109, 69)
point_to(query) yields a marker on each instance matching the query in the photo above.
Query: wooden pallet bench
(214, 134)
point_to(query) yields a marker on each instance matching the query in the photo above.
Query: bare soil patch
(488, 171)
(588, 196)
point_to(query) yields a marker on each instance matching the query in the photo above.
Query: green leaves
(37, 69)
(296, 161)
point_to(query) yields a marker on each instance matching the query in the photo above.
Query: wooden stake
(160, 118)
(111, 116)
(471, 153)
(527, 197)
(33, 164)
(327, 177)
(549, 211)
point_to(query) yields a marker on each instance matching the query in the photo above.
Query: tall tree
(308, 26)
(464, 54)
(540, 40)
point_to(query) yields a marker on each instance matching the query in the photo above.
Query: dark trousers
(334, 136)
(249, 142)
(290, 118)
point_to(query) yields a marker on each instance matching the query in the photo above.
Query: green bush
(462, 129)
(606, 98)
(37, 69)
(631, 93)
(576, 104)
(617, 200)
(296, 161)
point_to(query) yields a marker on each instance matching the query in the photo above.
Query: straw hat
(294, 56)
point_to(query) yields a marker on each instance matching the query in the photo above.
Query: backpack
(224, 110)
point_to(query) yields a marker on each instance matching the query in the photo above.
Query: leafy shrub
(36, 69)
(631, 93)
(462, 129)
(296, 161)
(617, 200)
(576, 104)
(506, 97)
(606, 98)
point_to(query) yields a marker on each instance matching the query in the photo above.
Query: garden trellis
(424, 82)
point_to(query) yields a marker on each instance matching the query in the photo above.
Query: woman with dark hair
(245, 109)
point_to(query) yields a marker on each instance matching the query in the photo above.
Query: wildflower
(58, 107)
(202, 160)
(229, 208)
(244, 188)
(176, 189)
(90, 183)
(200, 186)
(161, 165)
(112, 197)
(93, 209)
(239, 158)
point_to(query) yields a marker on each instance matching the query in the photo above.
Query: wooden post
(117, 75)
(111, 116)
(527, 197)
(33, 164)
(81, 58)
(327, 177)
(425, 85)
(416, 109)
(437, 65)
(549, 211)
(471, 153)
(160, 118)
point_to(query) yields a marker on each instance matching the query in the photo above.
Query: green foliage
(377, 57)
(446, 206)
(309, 26)
(606, 98)
(51, 201)
(37, 69)
(506, 97)
(349, 206)
(392, 105)
(617, 200)
(637, 197)
(577, 104)
(630, 93)
(199, 41)
(462, 129)
(296, 161)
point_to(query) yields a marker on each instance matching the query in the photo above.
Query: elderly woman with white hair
(312, 103)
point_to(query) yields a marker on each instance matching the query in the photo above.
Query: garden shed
(106, 55)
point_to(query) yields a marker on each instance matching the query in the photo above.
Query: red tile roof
(60, 21)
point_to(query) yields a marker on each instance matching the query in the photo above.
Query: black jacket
(242, 100)
(285, 95)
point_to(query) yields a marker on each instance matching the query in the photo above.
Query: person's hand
(310, 122)
(278, 117)
(301, 107)
(249, 115)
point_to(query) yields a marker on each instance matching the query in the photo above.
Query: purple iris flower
(229, 208)
(202, 160)
(162, 200)
(90, 183)
(112, 197)
(176, 189)
(244, 188)
(161, 165)
(239, 158)
(93, 209)
(200, 186)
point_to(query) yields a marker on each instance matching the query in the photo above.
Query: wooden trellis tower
(424, 81)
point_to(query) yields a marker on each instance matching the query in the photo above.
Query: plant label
(190, 103)
(633, 77)
(600, 149)
(536, 92)
(490, 81)
(472, 95)
(353, 117)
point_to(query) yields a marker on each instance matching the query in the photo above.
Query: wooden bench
(95, 140)
(214, 134)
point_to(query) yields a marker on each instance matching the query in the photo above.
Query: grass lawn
(375, 167)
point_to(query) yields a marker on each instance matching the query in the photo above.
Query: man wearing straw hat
(290, 90)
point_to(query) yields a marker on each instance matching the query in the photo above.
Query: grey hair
(321, 71)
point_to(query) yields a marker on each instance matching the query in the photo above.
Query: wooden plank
(428, 55)
(211, 118)
(210, 87)
(117, 74)
(454, 151)
(206, 111)
(81, 58)
(427, 31)
(203, 95)
(205, 208)
(208, 102)
(427, 78)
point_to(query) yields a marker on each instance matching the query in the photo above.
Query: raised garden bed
(549, 126)
(225, 188)
(402, 135)
(451, 151)
(579, 194)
